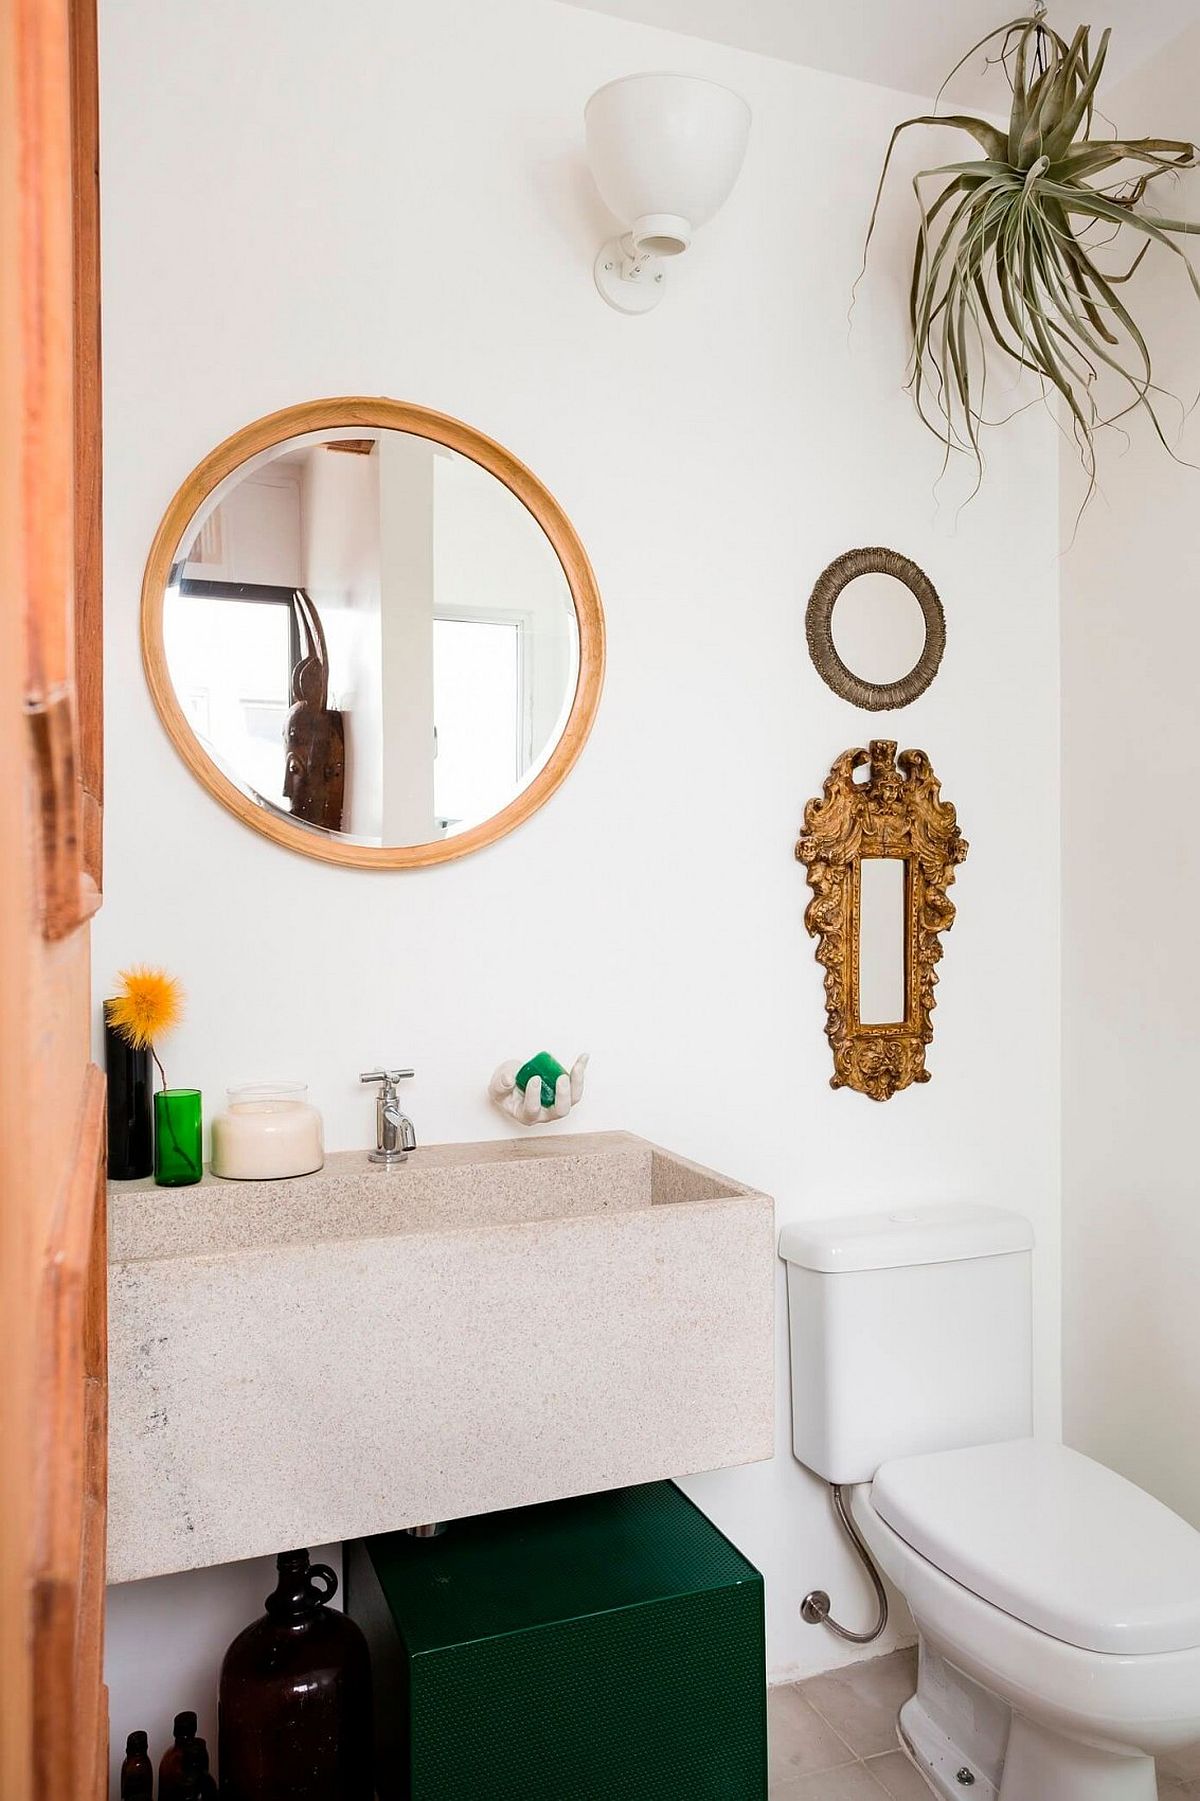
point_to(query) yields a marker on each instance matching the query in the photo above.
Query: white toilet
(1057, 1605)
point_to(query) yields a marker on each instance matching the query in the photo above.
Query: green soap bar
(546, 1066)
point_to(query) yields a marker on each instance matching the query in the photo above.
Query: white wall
(1131, 888)
(392, 200)
(258, 525)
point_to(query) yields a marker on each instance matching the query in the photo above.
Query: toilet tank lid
(943, 1232)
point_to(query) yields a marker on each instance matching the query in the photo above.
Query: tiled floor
(833, 1738)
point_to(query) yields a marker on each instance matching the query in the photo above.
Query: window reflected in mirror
(235, 661)
(483, 728)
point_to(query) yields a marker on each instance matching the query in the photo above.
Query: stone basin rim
(259, 1222)
(280, 1246)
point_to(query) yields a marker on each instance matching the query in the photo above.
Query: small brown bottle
(195, 1783)
(171, 1769)
(137, 1771)
(295, 1709)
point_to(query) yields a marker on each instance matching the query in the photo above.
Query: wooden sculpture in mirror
(879, 941)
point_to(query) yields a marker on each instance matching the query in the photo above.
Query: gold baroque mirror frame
(875, 697)
(303, 823)
(896, 813)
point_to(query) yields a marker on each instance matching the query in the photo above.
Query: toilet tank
(910, 1332)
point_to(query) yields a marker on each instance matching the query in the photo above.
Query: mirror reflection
(878, 627)
(881, 916)
(370, 634)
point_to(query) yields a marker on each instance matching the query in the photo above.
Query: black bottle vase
(130, 1133)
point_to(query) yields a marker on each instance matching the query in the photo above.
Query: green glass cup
(177, 1137)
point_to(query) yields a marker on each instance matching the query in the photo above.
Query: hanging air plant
(1006, 255)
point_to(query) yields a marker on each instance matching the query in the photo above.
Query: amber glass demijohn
(295, 1704)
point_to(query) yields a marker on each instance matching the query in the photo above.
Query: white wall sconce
(665, 151)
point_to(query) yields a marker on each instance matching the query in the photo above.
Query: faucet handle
(389, 1077)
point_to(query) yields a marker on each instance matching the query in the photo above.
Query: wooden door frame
(58, 243)
(89, 541)
(70, 1723)
(53, 1715)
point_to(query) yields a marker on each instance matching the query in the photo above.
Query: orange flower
(147, 1005)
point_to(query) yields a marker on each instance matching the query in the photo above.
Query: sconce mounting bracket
(630, 280)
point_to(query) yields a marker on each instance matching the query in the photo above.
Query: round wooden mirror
(875, 629)
(372, 633)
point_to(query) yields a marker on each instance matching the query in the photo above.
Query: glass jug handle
(328, 1577)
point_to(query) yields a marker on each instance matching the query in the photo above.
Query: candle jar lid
(268, 1094)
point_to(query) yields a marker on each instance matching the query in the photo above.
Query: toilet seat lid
(1054, 1539)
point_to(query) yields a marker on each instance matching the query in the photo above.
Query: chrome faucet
(395, 1134)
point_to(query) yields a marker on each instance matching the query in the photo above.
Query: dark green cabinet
(604, 1648)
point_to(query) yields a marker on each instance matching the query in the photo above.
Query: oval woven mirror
(875, 628)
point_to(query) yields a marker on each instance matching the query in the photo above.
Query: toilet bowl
(1058, 1608)
(1057, 1604)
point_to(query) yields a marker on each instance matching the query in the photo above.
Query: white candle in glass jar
(267, 1130)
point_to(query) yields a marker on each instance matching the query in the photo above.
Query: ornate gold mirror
(880, 854)
(372, 633)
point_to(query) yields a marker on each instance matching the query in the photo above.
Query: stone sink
(483, 1326)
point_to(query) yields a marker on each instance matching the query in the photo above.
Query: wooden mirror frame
(897, 812)
(377, 414)
(876, 697)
